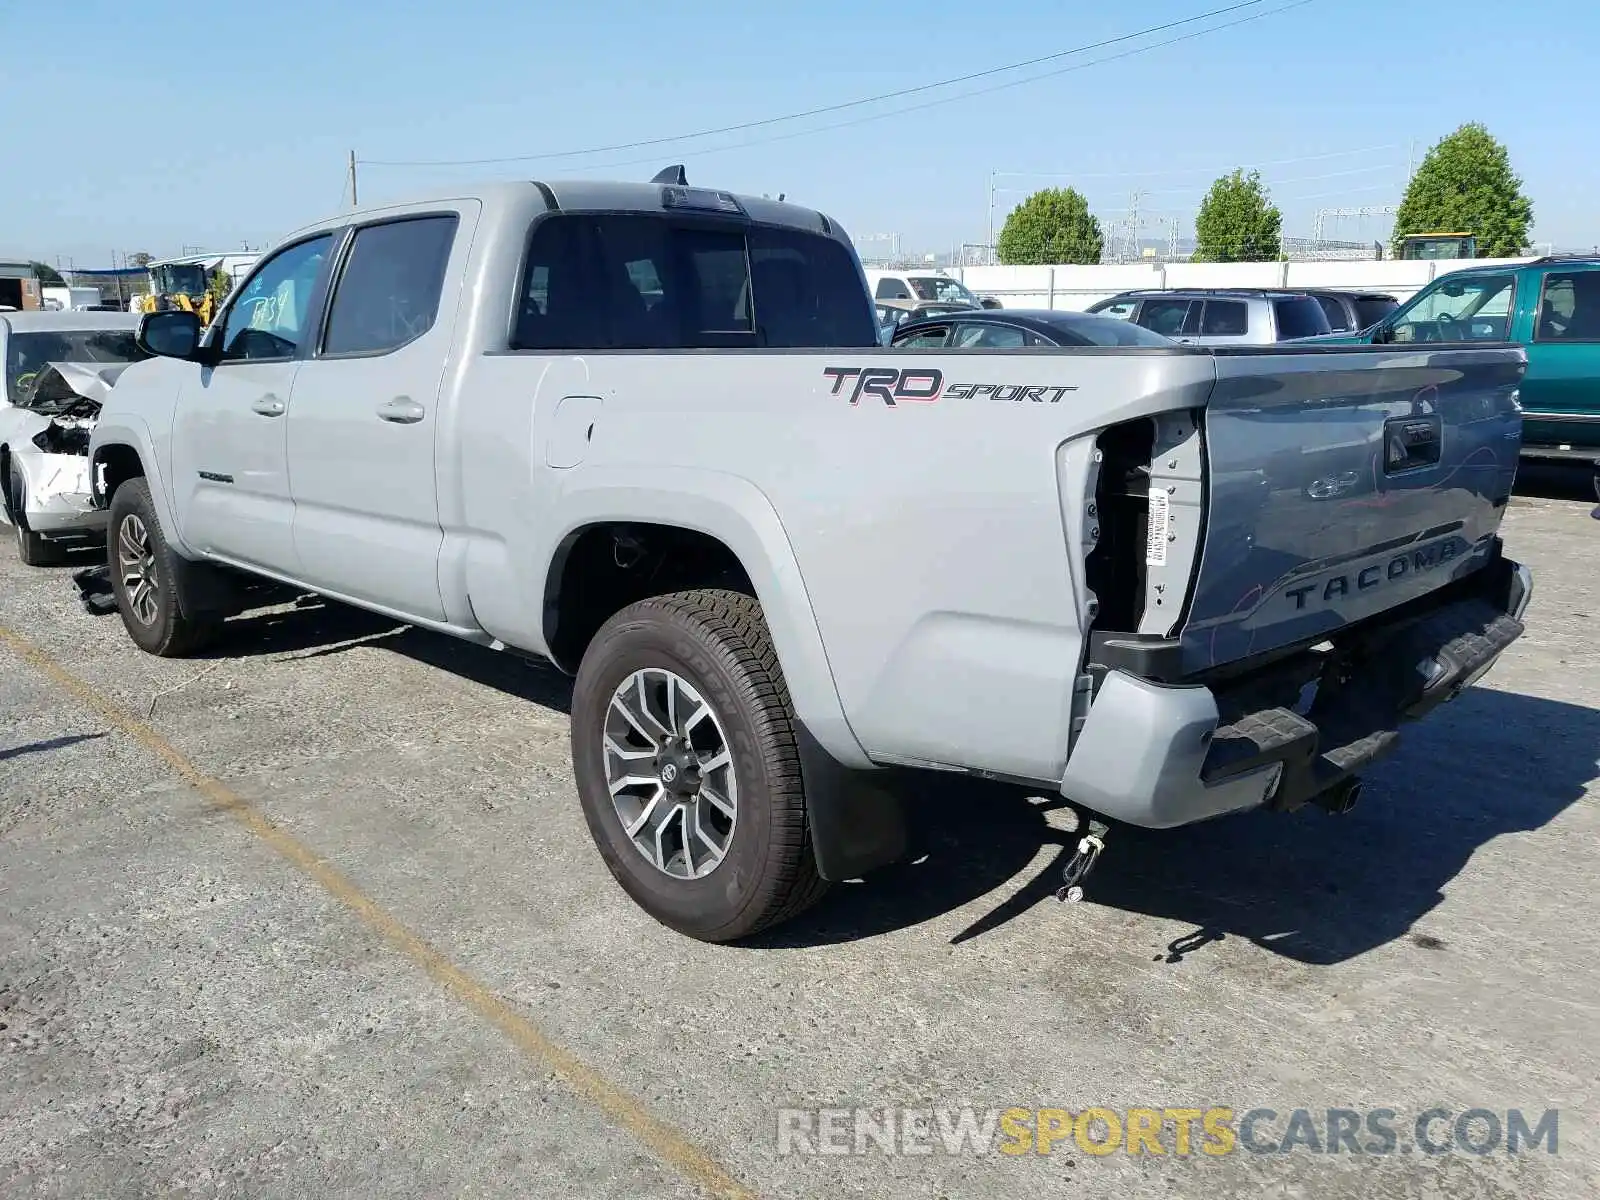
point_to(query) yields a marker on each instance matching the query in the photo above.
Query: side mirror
(1382, 333)
(173, 334)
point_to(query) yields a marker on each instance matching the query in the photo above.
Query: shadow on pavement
(1306, 885)
(1309, 886)
(314, 628)
(1556, 480)
(48, 744)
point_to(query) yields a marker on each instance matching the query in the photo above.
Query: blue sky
(231, 123)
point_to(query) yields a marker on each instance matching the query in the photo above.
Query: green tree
(47, 275)
(141, 259)
(219, 285)
(1465, 185)
(1238, 222)
(1051, 226)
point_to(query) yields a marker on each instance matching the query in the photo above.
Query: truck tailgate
(1340, 484)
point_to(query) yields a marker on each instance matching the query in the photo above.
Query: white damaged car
(59, 368)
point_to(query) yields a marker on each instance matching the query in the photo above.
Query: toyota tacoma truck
(646, 432)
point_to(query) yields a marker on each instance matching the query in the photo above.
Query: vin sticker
(1155, 547)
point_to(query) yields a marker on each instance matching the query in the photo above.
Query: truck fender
(855, 823)
(131, 431)
(200, 588)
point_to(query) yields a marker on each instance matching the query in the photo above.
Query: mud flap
(856, 824)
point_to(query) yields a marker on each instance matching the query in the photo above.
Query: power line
(1272, 162)
(1191, 189)
(1094, 62)
(877, 99)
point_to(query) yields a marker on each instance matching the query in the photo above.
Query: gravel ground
(320, 916)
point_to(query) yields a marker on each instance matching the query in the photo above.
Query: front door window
(1476, 308)
(268, 319)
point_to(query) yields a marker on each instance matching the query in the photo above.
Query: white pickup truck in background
(645, 431)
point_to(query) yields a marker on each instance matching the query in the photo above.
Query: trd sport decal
(924, 385)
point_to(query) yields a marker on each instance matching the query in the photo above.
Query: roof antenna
(672, 177)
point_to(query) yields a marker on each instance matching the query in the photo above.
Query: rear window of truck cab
(642, 282)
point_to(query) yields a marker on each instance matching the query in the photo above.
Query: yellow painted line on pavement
(671, 1146)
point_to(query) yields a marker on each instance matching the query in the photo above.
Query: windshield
(937, 287)
(188, 279)
(1476, 308)
(1439, 247)
(28, 353)
(1089, 330)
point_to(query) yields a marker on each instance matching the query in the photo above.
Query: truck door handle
(268, 406)
(402, 410)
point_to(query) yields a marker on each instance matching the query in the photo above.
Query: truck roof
(584, 195)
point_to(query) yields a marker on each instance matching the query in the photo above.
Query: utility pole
(991, 212)
(1411, 162)
(353, 201)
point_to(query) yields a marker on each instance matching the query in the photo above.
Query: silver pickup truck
(646, 431)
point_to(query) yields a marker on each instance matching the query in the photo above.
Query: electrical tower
(1371, 210)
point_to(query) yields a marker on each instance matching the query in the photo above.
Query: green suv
(1551, 307)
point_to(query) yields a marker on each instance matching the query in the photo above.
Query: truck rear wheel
(684, 751)
(144, 572)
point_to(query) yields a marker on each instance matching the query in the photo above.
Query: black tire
(33, 550)
(166, 632)
(718, 642)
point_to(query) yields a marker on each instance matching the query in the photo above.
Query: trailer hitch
(1090, 846)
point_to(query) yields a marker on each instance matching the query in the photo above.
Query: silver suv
(1219, 316)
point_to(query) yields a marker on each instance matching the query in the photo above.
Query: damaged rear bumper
(1161, 755)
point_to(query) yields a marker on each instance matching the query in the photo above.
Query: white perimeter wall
(1074, 287)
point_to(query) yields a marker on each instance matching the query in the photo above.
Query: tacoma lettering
(1335, 587)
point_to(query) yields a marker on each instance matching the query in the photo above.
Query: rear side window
(892, 289)
(1569, 310)
(1333, 309)
(991, 337)
(924, 339)
(1122, 310)
(1225, 318)
(1299, 317)
(643, 283)
(388, 293)
(1371, 310)
(808, 291)
(1165, 317)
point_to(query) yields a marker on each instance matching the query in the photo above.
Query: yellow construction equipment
(187, 283)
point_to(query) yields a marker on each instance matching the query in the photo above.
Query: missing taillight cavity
(1115, 569)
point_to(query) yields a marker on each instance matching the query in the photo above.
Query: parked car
(914, 286)
(541, 417)
(59, 366)
(1013, 329)
(1351, 312)
(1218, 317)
(1551, 307)
(892, 314)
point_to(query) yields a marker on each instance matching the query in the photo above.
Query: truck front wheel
(33, 550)
(684, 751)
(144, 572)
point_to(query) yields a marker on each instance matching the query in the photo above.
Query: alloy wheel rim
(136, 563)
(669, 770)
